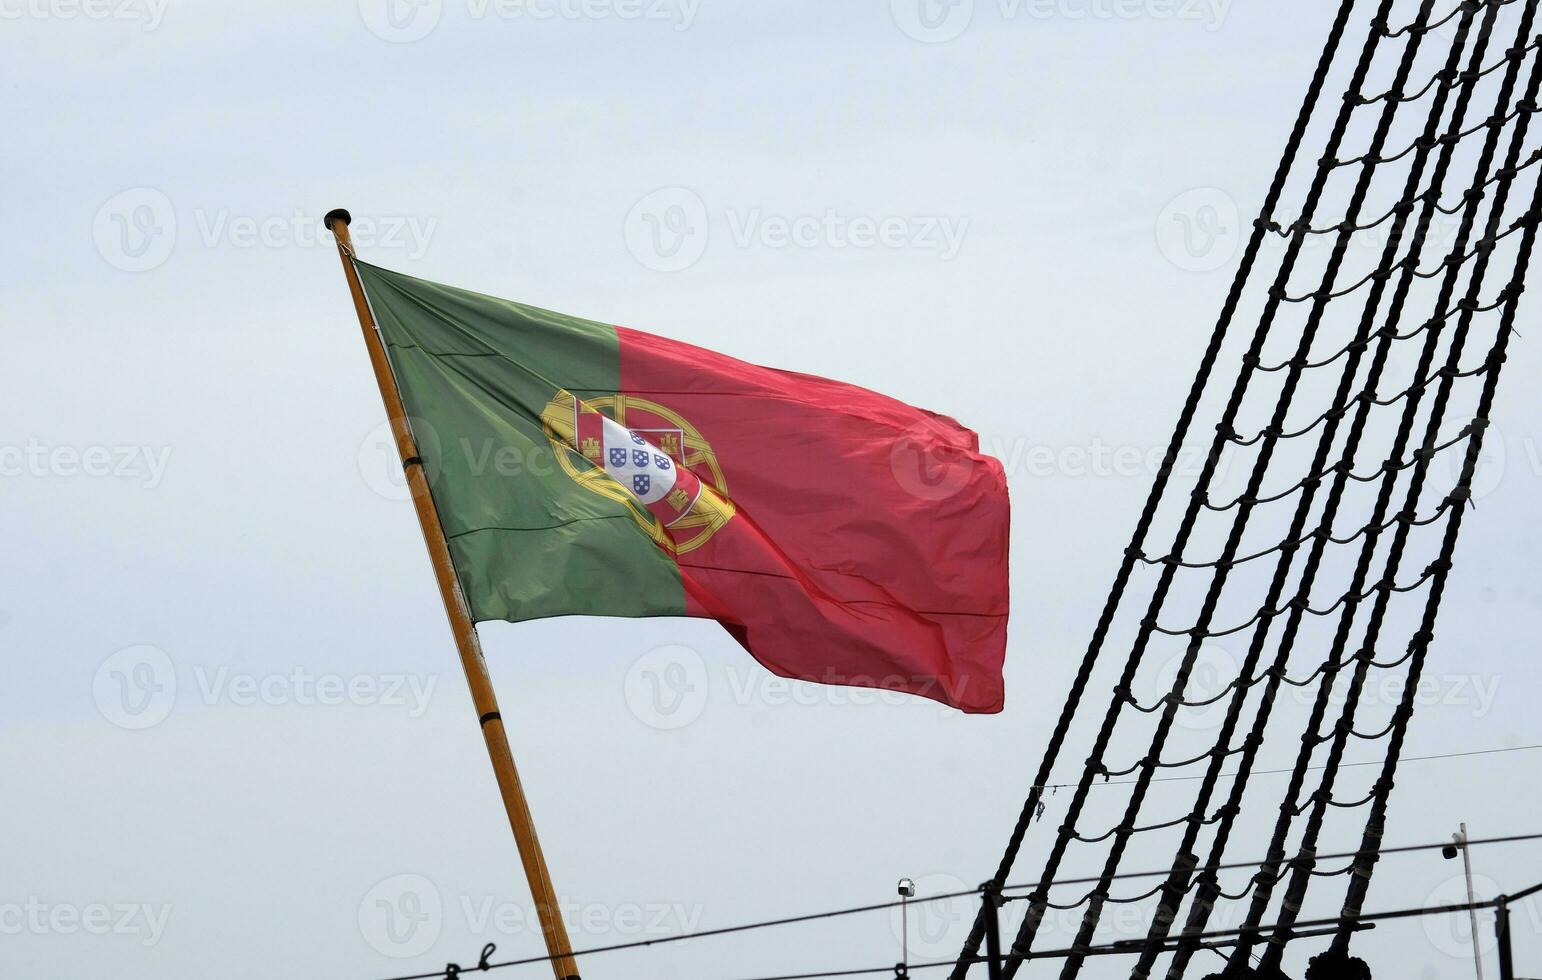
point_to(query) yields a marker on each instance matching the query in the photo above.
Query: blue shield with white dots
(641, 484)
(639, 457)
(662, 462)
(618, 457)
(639, 439)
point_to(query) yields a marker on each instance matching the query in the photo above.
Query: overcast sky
(236, 742)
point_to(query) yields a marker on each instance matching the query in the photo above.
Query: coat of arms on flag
(637, 444)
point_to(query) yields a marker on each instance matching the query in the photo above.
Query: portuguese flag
(840, 536)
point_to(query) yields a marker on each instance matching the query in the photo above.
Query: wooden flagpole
(482, 696)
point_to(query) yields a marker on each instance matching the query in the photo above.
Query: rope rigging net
(1365, 332)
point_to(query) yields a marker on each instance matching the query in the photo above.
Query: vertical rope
(1208, 885)
(1373, 323)
(1178, 883)
(1268, 875)
(1164, 472)
(1186, 860)
(1306, 859)
(1371, 842)
(1038, 899)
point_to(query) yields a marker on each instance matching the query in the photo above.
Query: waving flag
(840, 536)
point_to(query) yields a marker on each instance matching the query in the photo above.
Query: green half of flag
(476, 374)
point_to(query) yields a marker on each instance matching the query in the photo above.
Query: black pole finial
(337, 214)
